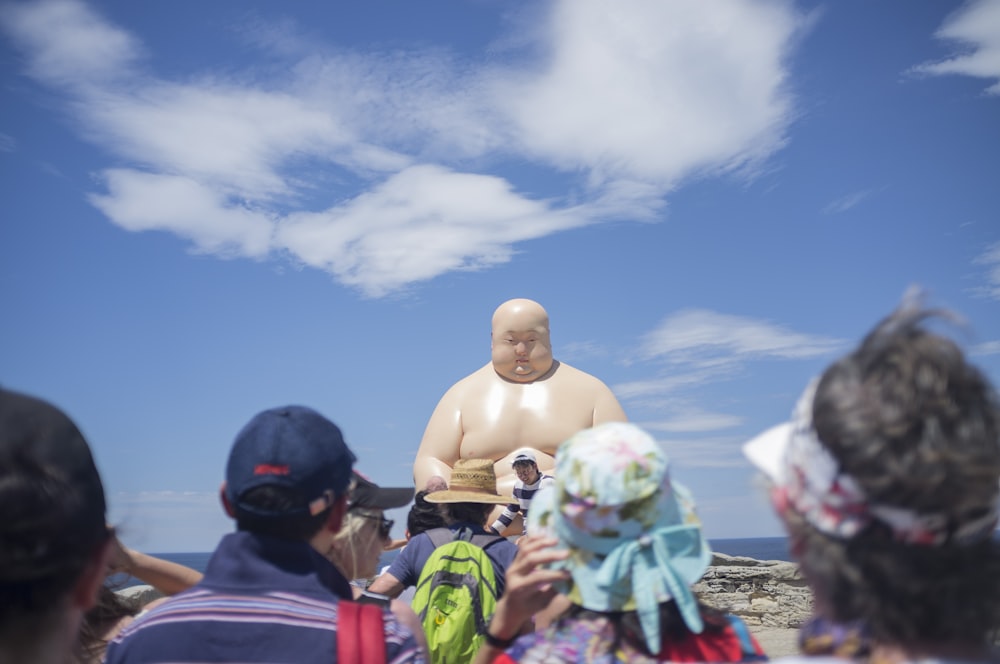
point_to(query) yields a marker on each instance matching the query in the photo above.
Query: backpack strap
(360, 633)
(439, 536)
(483, 541)
(749, 650)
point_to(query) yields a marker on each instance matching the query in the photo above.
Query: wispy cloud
(990, 259)
(986, 348)
(706, 339)
(694, 348)
(7, 143)
(709, 452)
(976, 29)
(693, 419)
(357, 162)
(845, 203)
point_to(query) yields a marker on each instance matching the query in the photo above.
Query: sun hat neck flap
(634, 538)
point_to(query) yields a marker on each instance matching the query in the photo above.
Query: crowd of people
(887, 478)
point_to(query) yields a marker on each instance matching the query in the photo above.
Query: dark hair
(52, 511)
(272, 498)
(423, 515)
(628, 630)
(110, 608)
(918, 428)
(476, 513)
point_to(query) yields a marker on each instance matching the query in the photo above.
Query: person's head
(288, 474)
(471, 493)
(522, 351)
(356, 547)
(888, 479)
(54, 541)
(633, 537)
(423, 516)
(525, 466)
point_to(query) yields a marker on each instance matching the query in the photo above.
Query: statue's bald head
(522, 351)
(522, 308)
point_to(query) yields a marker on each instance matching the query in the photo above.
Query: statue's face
(522, 351)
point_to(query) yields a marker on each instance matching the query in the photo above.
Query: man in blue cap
(269, 594)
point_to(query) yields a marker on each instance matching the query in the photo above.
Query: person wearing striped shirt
(529, 481)
(269, 593)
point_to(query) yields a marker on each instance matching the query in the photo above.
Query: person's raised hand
(529, 585)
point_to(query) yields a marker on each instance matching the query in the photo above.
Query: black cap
(366, 493)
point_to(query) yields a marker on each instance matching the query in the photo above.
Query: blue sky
(215, 208)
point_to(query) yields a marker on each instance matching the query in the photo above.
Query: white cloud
(358, 163)
(707, 338)
(693, 419)
(976, 27)
(991, 259)
(986, 348)
(7, 143)
(420, 223)
(69, 44)
(693, 348)
(845, 203)
(654, 91)
(710, 452)
(647, 390)
(140, 201)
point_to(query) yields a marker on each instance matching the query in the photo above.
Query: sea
(761, 548)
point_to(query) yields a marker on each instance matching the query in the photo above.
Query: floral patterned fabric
(592, 639)
(632, 533)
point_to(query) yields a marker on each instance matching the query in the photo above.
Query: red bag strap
(360, 634)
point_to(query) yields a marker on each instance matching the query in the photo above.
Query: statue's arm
(441, 445)
(607, 408)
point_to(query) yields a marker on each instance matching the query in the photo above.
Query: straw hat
(472, 481)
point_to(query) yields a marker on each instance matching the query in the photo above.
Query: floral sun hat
(633, 535)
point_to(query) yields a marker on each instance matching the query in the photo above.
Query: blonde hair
(349, 541)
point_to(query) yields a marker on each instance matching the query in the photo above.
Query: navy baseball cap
(293, 447)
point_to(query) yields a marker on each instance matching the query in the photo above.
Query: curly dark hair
(423, 515)
(917, 427)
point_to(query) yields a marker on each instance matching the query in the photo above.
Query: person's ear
(84, 593)
(337, 512)
(226, 505)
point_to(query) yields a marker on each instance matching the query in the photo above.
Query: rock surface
(764, 593)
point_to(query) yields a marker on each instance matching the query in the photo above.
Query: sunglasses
(384, 526)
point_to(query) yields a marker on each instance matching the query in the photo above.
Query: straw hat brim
(459, 496)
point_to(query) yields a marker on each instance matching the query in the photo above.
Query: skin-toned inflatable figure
(522, 399)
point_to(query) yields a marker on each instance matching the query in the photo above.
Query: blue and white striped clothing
(262, 600)
(523, 493)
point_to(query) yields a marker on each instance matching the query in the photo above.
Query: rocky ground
(770, 596)
(777, 641)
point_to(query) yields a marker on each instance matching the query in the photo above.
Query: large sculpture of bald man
(523, 398)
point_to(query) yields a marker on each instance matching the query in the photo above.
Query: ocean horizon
(759, 548)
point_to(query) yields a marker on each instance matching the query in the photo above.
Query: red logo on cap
(269, 469)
